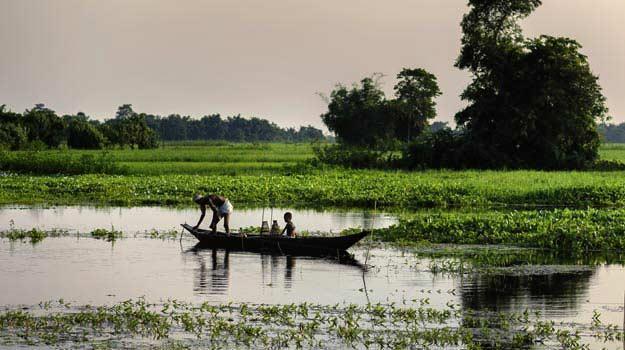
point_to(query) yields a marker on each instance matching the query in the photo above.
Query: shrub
(12, 136)
(608, 165)
(355, 157)
(439, 149)
(81, 134)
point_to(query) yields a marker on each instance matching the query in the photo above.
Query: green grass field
(180, 158)
(217, 158)
(613, 151)
(276, 173)
(224, 153)
(339, 187)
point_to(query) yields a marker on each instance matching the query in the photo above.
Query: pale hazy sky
(258, 58)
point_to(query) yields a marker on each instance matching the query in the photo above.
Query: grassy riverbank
(342, 188)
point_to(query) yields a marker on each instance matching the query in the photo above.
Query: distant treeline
(237, 129)
(612, 133)
(40, 128)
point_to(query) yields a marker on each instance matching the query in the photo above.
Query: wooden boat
(315, 246)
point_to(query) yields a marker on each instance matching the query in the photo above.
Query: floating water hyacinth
(293, 326)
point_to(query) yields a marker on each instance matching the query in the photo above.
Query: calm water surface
(90, 271)
(137, 219)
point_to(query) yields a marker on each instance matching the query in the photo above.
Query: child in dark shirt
(289, 228)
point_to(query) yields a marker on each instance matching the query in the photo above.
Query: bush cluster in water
(35, 235)
(109, 235)
(571, 231)
(295, 326)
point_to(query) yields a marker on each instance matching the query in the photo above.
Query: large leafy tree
(12, 134)
(129, 128)
(532, 102)
(82, 133)
(356, 114)
(415, 92)
(361, 115)
(42, 124)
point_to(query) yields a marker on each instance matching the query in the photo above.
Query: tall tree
(415, 91)
(130, 129)
(532, 102)
(42, 124)
(357, 115)
(362, 116)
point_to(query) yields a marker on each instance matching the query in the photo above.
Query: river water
(89, 271)
(138, 219)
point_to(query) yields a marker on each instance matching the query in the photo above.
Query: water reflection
(88, 271)
(288, 271)
(215, 278)
(556, 294)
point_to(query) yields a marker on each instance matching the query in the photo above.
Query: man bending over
(221, 207)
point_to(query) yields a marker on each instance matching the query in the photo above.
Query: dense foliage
(237, 129)
(83, 134)
(362, 116)
(533, 103)
(41, 128)
(354, 157)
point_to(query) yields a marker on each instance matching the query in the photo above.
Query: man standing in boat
(221, 207)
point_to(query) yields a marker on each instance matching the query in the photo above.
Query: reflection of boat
(212, 275)
(313, 246)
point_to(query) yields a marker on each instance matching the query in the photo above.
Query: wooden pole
(375, 207)
(262, 219)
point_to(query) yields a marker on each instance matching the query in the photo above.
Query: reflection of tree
(556, 292)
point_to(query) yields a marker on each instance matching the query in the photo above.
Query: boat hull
(314, 246)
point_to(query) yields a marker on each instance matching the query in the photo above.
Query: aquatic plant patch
(376, 326)
(108, 235)
(338, 188)
(36, 235)
(572, 232)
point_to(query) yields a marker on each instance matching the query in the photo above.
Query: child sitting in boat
(289, 228)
